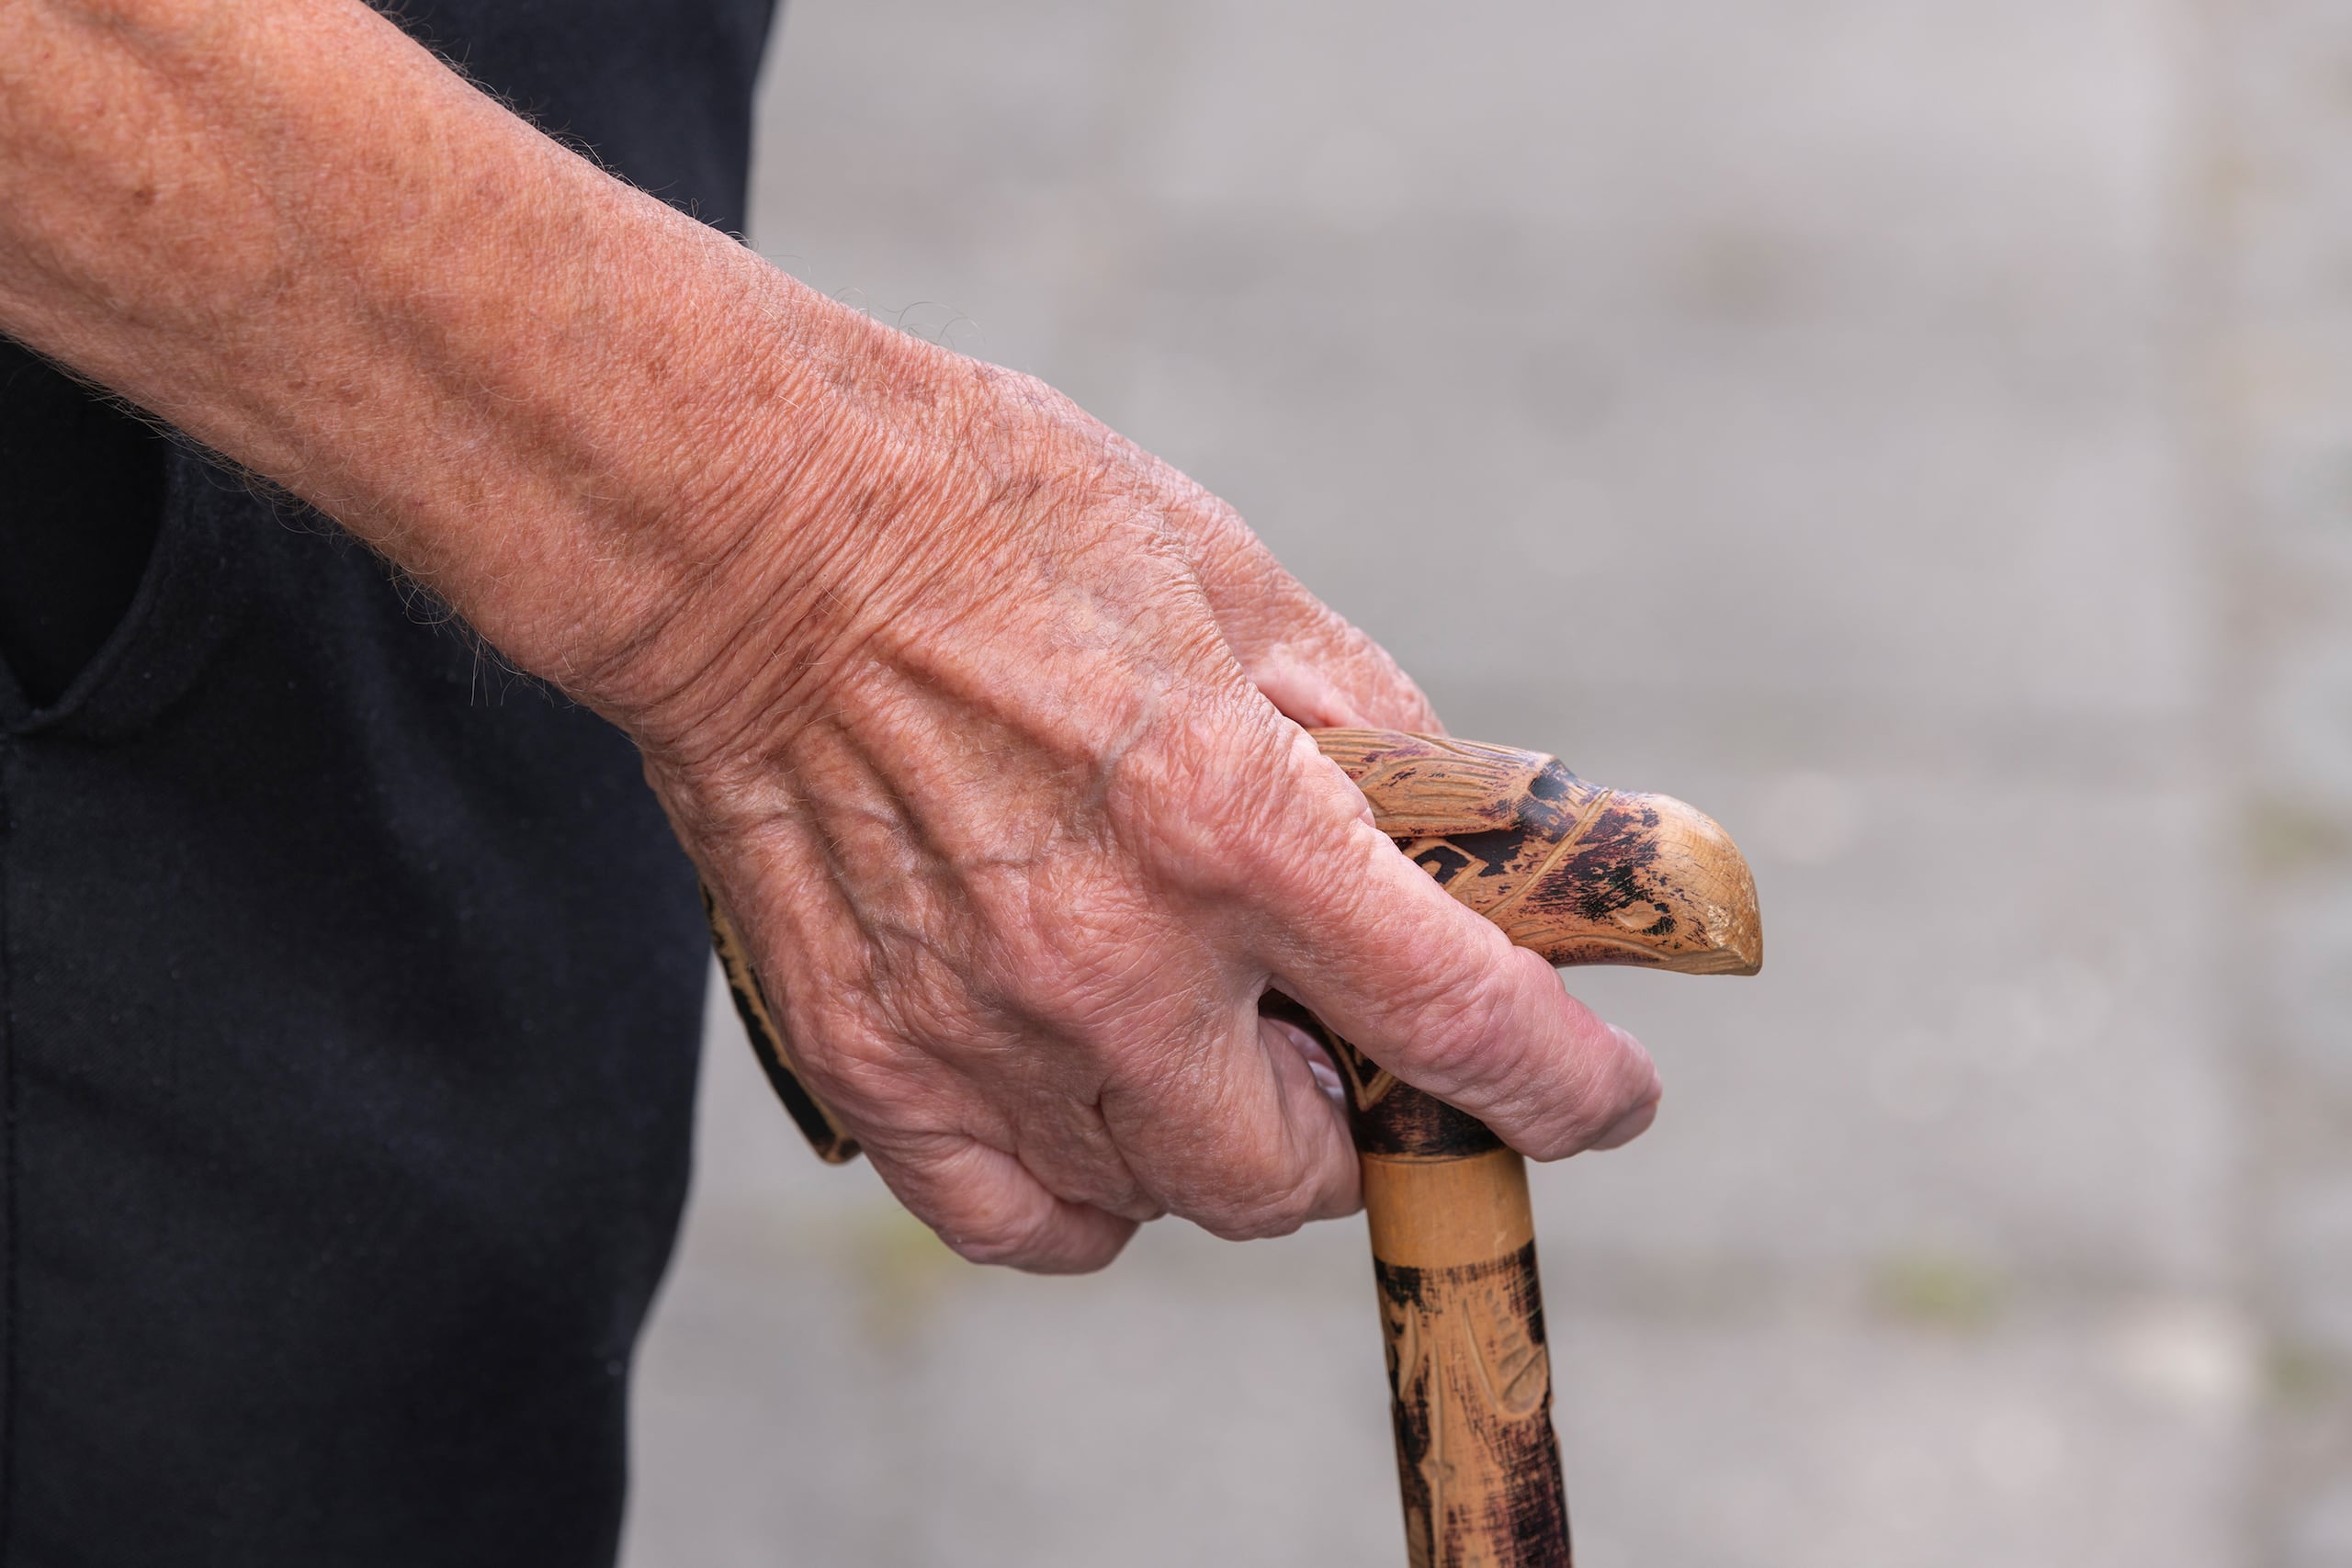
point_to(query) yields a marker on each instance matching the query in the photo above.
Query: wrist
(827, 469)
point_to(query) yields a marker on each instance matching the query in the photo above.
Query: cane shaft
(1469, 1374)
(1462, 1313)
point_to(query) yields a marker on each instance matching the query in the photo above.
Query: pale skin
(982, 722)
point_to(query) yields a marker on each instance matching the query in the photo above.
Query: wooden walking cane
(1582, 874)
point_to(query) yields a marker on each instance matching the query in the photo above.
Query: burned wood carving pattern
(1581, 873)
(1469, 1374)
(1387, 1115)
(1470, 1386)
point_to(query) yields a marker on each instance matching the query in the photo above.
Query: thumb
(1437, 994)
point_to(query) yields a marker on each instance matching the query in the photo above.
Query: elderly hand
(982, 723)
(991, 755)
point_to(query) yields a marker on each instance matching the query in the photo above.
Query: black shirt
(350, 986)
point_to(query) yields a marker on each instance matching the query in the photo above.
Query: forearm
(284, 228)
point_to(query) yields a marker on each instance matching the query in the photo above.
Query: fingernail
(1327, 1077)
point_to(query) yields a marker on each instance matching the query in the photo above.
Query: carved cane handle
(1580, 873)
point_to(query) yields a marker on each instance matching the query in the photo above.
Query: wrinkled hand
(978, 720)
(1000, 774)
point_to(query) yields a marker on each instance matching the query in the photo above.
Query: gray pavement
(2275, 402)
(1915, 429)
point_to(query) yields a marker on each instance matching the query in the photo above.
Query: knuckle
(1011, 1244)
(1467, 1026)
(1264, 1190)
(1220, 808)
(1274, 1213)
(992, 1221)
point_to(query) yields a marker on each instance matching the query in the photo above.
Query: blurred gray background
(1920, 430)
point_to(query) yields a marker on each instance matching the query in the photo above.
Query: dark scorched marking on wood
(1467, 1364)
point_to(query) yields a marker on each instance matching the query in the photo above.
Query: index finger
(1439, 996)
